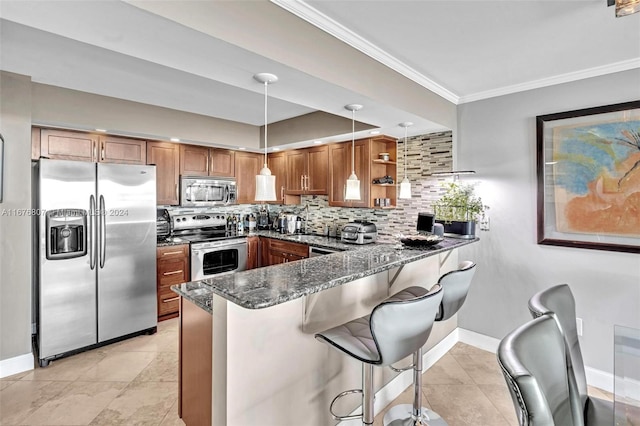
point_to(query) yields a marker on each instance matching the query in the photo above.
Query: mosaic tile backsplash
(425, 154)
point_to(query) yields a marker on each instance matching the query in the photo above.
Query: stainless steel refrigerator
(96, 254)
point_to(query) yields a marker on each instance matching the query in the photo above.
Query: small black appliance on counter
(359, 232)
(263, 220)
(163, 224)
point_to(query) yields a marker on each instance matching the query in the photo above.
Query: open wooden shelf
(384, 162)
(383, 184)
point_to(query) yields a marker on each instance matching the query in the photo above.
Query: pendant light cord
(353, 141)
(405, 152)
(266, 89)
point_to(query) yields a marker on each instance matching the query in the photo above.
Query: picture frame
(588, 176)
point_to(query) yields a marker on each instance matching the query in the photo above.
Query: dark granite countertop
(170, 242)
(272, 285)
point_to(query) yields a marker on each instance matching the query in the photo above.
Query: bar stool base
(402, 415)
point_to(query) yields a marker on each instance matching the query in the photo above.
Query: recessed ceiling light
(317, 142)
(101, 130)
(276, 149)
(374, 132)
(242, 148)
(175, 139)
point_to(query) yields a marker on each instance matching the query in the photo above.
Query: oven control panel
(197, 220)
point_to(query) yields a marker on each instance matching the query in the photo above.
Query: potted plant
(459, 209)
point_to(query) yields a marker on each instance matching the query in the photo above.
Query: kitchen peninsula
(267, 367)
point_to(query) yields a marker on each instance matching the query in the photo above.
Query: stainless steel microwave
(203, 191)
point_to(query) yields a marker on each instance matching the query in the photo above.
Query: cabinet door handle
(282, 193)
(302, 182)
(171, 252)
(172, 272)
(102, 151)
(307, 179)
(95, 150)
(171, 300)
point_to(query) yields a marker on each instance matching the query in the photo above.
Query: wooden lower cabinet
(274, 252)
(253, 260)
(172, 268)
(195, 356)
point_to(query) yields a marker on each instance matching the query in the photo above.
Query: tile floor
(135, 382)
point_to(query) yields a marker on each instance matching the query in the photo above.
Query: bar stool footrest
(340, 395)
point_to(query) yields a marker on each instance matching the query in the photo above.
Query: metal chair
(558, 302)
(534, 362)
(455, 286)
(396, 328)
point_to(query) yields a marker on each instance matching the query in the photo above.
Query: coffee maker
(263, 219)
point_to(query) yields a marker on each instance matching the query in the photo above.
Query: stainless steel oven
(213, 258)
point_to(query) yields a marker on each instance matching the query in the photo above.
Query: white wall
(497, 138)
(15, 229)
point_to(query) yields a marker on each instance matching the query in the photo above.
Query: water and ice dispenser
(66, 233)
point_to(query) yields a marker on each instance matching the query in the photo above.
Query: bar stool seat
(396, 328)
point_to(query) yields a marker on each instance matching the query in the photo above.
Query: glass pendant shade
(405, 185)
(353, 188)
(265, 185)
(265, 181)
(405, 188)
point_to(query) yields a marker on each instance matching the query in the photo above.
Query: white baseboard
(478, 340)
(599, 379)
(402, 381)
(15, 365)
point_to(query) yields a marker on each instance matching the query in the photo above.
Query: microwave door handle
(92, 231)
(227, 195)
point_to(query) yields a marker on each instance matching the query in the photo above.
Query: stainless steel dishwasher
(317, 251)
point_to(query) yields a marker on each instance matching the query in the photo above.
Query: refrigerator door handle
(92, 232)
(103, 232)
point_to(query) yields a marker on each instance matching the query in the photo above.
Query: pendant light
(405, 185)
(265, 181)
(353, 184)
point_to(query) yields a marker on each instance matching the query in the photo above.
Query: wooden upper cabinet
(122, 150)
(78, 146)
(307, 171)
(222, 162)
(166, 157)
(67, 145)
(318, 170)
(194, 160)
(340, 169)
(248, 165)
(203, 161)
(296, 171)
(277, 163)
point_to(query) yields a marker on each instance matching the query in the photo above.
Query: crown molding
(306, 12)
(551, 81)
(328, 25)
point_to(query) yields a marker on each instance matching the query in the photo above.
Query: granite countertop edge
(264, 287)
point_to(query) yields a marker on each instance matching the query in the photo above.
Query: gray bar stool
(396, 328)
(455, 286)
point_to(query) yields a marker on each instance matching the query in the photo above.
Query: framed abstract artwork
(588, 165)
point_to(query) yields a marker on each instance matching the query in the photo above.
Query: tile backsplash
(425, 154)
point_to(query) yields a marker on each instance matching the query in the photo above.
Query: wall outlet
(579, 326)
(484, 223)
